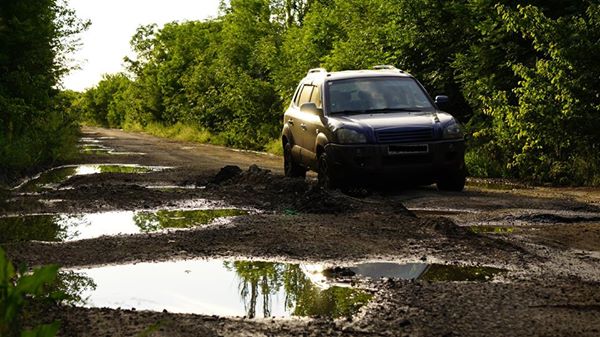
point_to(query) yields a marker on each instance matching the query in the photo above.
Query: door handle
(291, 121)
(303, 126)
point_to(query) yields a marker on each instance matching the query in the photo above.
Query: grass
(177, 131)
(188, 133)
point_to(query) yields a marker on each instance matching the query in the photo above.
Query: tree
(35, 37)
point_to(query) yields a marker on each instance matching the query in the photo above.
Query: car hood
(396, 120)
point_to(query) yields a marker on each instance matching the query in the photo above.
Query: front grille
(407, 160)
(404, 136)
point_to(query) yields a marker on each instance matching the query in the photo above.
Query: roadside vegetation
(35, 126)
(23, 294)
(523, 77)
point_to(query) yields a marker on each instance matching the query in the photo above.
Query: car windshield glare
(375, 95)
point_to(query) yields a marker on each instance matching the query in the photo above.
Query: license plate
(408, 149)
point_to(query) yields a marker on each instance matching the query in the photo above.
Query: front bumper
(427, 160)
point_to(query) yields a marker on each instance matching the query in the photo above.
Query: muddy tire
(454, 182)
(327, 177)
(290, 167)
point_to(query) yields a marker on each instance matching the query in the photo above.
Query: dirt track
(547, 238)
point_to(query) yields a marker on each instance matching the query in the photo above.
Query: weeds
(17, 290)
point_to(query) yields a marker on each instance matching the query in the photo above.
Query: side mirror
(441, 101)
(311, 108)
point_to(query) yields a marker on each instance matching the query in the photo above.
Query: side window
(304, 96)
(316, 97)
(296, 95)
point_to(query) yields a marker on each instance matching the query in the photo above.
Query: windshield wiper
(384, 110)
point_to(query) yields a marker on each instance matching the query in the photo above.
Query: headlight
(453, 130)
(346, 136)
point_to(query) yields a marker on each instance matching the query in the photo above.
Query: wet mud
(501, 258)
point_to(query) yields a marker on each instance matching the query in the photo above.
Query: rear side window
(305, 94)
(316, 97)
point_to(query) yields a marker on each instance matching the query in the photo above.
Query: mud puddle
(418, 271)
(255, 289)
(430, 211)
(98, 149)
(492, 229)
(53, 178)
(495, 184)
(72, 227)
(226, 288)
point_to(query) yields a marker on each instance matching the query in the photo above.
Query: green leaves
(522, 76)
(35, 37)
(15, 290)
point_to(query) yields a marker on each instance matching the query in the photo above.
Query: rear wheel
(326, 173)
(453, 182)
(290, 167)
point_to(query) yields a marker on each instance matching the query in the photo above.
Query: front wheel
(290, 168)
(326, 173)
(453, 182)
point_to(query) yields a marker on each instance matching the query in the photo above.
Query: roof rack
(387, 67)
(317, 70)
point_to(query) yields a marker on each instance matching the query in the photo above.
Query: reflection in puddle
(53, 178)
(97, 149)
(441, 273)
(28, 228)
(213, 287)
(93, 225)
(426, 211)
(422, 271)
(155, 221)
(491, 229)
(94, 149)
(494, 184)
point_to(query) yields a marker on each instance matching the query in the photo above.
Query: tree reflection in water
(155, 221)
(27, 228)
(262, 280)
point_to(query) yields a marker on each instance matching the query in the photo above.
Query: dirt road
(499, 259)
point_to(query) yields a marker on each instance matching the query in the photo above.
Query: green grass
(177, 131)
(274, 147)
(188, 133)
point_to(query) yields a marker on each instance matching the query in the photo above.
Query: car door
(311, 126)
(295, 120)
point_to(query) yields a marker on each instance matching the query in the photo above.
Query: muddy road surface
(168, 238)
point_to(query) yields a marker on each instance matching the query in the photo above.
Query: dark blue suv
(360, 126)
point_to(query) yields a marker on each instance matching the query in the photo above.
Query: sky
(114, 22)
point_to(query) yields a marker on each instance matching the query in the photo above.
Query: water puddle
(98, 149)
(417, 271)
(254, 288)
(226, 288)
(51, 179)
(57, 228)
(89, 140)
(427, 211)
(494, 184)
(492, 229)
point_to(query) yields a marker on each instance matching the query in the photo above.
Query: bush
(19, 288)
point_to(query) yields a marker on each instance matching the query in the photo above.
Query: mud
(537, 249)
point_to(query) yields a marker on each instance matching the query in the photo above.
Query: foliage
(35, 38)
(16, 289)
(520, 76)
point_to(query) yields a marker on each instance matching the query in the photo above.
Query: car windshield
(364, 95)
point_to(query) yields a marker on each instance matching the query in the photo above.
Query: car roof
(321, 75)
